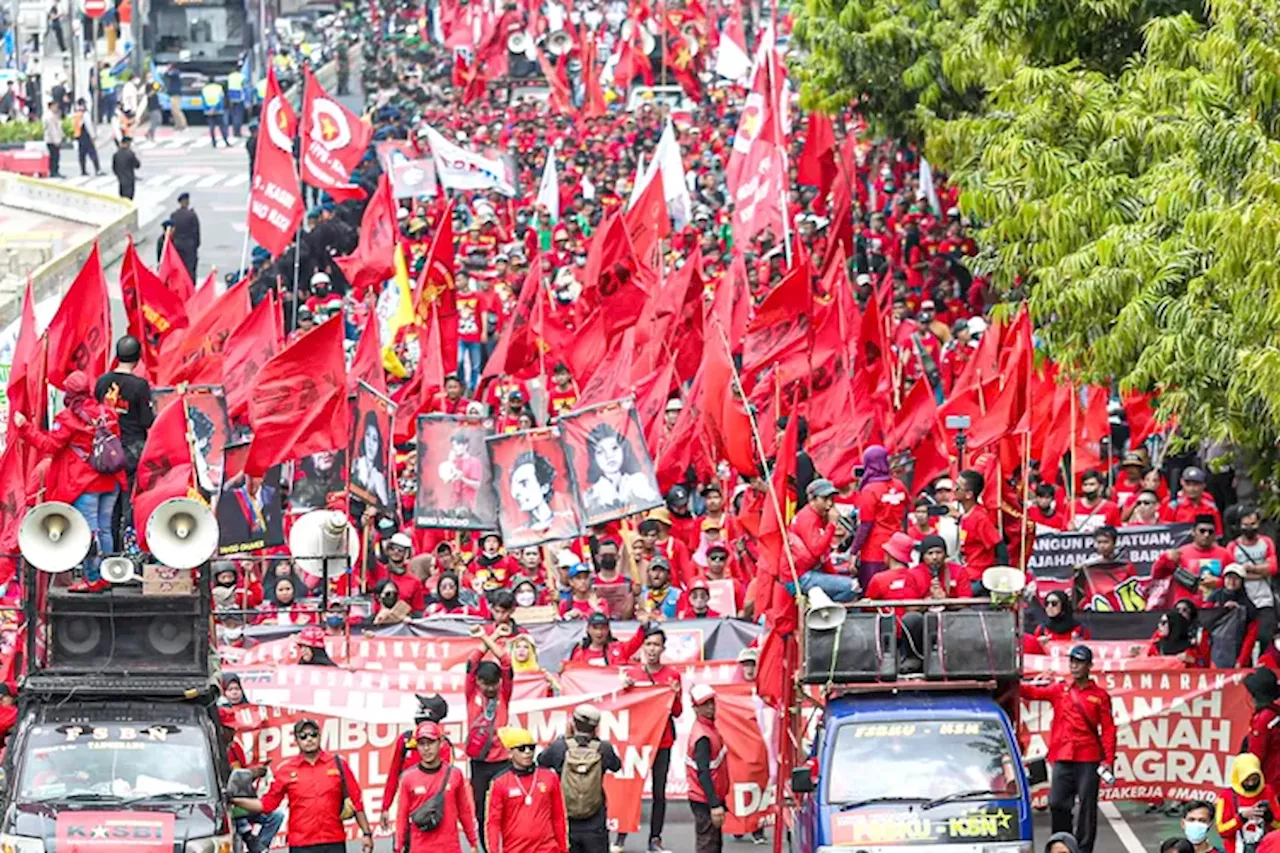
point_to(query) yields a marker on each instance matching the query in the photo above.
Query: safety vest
(105, 80)
(261, 88)
(211, 94)
(719, 761)
(235, 86)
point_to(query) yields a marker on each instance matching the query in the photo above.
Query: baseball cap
(401, 540)
(944, 483)
(678, 496)
(709, 524)
(661, 514)
(1233, 569)
(750, 653)
(1193, 474)
(578, 569)
(598, 619)
(700, 693)
(821, 488)
(428, 731)
(588, 714)
(675, 404)
(701, 583)
(1082, 653)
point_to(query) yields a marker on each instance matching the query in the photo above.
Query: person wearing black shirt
(129, 396)
(589, 834)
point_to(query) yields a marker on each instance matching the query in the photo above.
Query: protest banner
(611, 464)
(1056, 554)
(455, 487)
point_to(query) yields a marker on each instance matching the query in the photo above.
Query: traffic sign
(94, 8)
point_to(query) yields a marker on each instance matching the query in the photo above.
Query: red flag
(914, 420)
(195, 356)
(160, 311)
(772, 598)
(468, 79)
(13, 497)
(367, 363)
(781, 327)
(1006, 410)
(1139, 409)
(275, 196)
(437, 291)
(173, 272)
(253, 343)
(726, 415)
(647, 224)
(372, 262)
(204, 297)
(299, 404)
(611, 273)
(79, 337)
(333, 138)
(817, 164)
(165, 469)
(559, 97)
(593, 105)
(611, 378)
(26, 395)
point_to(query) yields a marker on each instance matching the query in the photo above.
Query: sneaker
(89, 586)
(655, 846)
(758, 838)
(616, 848)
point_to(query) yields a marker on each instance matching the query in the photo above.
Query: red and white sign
(275, 198)
(115, 832)
(333, 138)
(94, 8)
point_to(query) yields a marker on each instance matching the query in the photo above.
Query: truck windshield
(115, 761)
(921, 760)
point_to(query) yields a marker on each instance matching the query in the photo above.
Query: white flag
(549, 187)
(927, 187)
(675, 189)
(460, 169)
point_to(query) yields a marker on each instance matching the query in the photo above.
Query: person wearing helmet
(431, 709)
(311, 650)
(127, 394)
(1082, 745)
(323, 303)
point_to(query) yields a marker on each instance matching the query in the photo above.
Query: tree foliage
(1124, 159)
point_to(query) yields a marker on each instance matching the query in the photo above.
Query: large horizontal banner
(1056, 555)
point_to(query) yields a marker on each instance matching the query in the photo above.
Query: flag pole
(244, 249)
(297, 262)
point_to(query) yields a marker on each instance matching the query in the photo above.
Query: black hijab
(1065, 622)
(1179, 639)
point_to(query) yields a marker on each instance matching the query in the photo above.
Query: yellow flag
(403, 315)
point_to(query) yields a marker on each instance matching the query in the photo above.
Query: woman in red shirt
(882, 512)
(1060, 625)
(599, 648)
(652, 671)
(1173, 638)
(70, 478)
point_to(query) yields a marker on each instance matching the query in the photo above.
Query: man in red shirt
(315, 783)
(1091, 510)
(487, 689)
(527, 814)
(562, 396)
(882, 512)
(810, 535)
(396, 569)
(655, 535)
(452, 402)
(1201, 564)
(652, 671)
(940, 577)
(897, 582)
(421, 783)
(981, 545)
(1082, 746)
(1043, 512)
(1191, 501)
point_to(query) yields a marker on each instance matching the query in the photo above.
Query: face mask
(1196, 831)
(608, 562)
(1249, 532)
(526, 598)
(231, 635)
(333, 621)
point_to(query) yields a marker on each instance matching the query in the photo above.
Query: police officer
(235, 100)
(125, 164)
(186, 233)
(1082, 746)
(215, 111)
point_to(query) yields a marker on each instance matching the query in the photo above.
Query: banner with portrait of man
(610, 461)
(537, 502)
(369, 454)
(250, 509)
(455, 485)
(209, 429)
(318, 481)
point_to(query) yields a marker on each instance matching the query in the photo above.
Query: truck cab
(916, 749)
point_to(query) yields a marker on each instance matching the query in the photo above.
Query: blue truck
(908, 760)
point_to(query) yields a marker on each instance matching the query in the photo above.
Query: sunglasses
(716, 558)
(308, 734)
(1146, 503)
(528, 747)
(1049, 604)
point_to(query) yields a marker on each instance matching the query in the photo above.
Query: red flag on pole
(367, 363)
(275, 196)
(160, 312)
(204, 296)
(372, 262)
(79, 337)
(437, 291)
(817, 164)
(195, 356)
(299, 403)
(333, 138)
(165, 469)
(253, 343)
(611, 272)
(173, 272)
(26, 376)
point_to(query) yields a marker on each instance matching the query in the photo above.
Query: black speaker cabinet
(123, 631)
(971, 644)
(867, 650)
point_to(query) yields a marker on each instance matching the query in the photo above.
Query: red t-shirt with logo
(885, 505)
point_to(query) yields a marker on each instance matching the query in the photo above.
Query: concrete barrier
(112, 218)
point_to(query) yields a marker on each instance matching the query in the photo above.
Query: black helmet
(432, 709)
(128, 350)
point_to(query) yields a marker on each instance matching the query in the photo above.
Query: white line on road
(237, 180)
(209, 181)
(1121, 828)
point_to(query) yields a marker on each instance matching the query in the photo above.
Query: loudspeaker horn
(518, 42)
(322, 542)
(824, 614)
(118, 570)
(54, 537)
(1004, 583)
(182, 533)
(559, 43)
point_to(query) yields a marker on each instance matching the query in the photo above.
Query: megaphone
(322, 542)
(647, 40)
(1004, 583)
(518, 42)
(824, 614)
(118, 569)
(182, 533)
(559, 43)
(54, 537)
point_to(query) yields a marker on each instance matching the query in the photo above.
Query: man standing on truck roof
(1082, 746)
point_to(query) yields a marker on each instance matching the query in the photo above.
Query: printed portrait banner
(369, 452)
(210, 429)
(631, 720)
(321, 479)
(1177, 731)
(412, 175)
(250, 509)
(1055, 555)
(611, 464)
(455, 481)
(534, 484)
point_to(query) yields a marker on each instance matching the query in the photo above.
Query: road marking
(209, 181)
(237, 180)
(201, 142)
(1121, 828)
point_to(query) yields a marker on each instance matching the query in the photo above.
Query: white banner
(460, 169)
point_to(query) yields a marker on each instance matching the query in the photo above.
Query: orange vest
(719, 761)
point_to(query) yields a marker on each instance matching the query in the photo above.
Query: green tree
(1125, 161)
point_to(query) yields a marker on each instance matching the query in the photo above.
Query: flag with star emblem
(165, 469)
(333, 138)
(275, 195)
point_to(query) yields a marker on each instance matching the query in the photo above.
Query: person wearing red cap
(697, 602)
(433, 779)
(898, 582)
(318, 786)
(404, 751)
(706, 772)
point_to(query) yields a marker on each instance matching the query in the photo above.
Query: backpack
(107, 456)
(582, 778)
